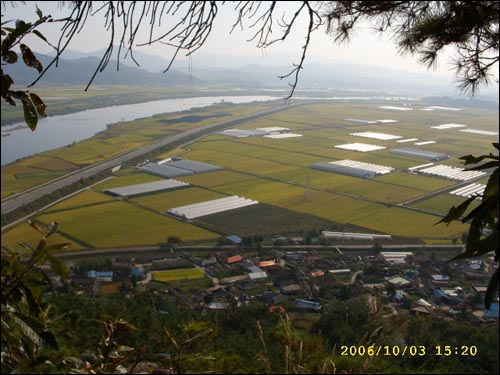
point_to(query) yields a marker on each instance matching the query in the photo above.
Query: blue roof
(492, 312)
(234, 239)
(307, 304)
(94, 274)
(138, 271)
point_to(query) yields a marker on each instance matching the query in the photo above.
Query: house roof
(423, 302)
(291, 288)
(280, 298)
(257, 275)
(234, 259)
(237, 240)
(218, 305)
(398, 280)
(344, 270)
(209, 261)
(267, 263)
(255, 269)
(422, 309)
(480, 288)
(138, 271)
(233, 279)
(440, 277)
(307, 304)
(94, 274)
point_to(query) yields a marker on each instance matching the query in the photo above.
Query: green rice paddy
(275, 172)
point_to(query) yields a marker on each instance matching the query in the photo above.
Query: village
(294, 278)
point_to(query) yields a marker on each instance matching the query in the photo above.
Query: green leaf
(58, 246)
(49, 340)
(22, 26)
(456, 213)
(488, 165)
(6, 83)
(38, 226)
(58, 266)
(486, 245)
(29, 327)
(470, 159)
(10, 57)
(30, 59)
(491, 189)
(40, 35)
(27, 246)
(39, 104)
(53, 228)
(41, 245)
(30, 114)
(35, 331)
(9, 100)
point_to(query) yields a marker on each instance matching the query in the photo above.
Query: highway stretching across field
(17, 200)
(69, 254)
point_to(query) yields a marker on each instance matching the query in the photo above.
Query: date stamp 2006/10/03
(407, 350)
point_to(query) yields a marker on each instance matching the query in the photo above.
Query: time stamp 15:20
(407, 350)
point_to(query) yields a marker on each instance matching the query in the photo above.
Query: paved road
(15, 201)
(153, 248)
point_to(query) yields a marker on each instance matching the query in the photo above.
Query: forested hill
(80, 71)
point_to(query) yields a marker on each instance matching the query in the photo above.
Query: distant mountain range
(78, 67)
(79, 71)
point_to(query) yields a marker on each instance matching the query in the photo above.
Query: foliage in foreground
(483, 232)
(24, 310)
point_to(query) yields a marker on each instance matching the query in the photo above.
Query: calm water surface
(58, 131)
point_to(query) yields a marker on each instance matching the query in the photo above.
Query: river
(19, 141)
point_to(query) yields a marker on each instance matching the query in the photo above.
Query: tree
(173, 240)
(33, 105)
(426, 28)
(420, 27)
(24, 329)
(483, 235)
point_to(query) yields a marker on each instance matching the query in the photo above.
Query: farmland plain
(123, 224)
(116, 139)
(278, 173)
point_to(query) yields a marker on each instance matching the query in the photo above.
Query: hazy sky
(367, 47)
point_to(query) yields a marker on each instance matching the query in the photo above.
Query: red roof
(267, 263)
(234, 259)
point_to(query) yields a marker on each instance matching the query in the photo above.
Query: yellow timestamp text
(407, 350)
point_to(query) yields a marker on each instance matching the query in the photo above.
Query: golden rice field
(33, 171)
(178, 275)
(442, 203)
(25, 233)
(123, 224)
(273, 171)
(84, 198)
